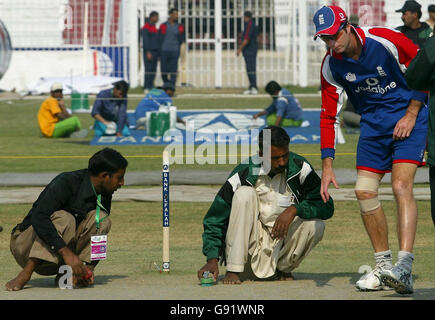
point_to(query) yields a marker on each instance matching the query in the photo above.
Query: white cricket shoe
(371, 281)
(251, 91)
(399, 279)
(305, 124)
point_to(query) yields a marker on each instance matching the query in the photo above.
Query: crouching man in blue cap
(110, 111)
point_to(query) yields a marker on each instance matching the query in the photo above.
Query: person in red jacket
(368, 64)
(151, 49)
(171, 38)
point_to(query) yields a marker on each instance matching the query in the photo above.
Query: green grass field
(135, 241)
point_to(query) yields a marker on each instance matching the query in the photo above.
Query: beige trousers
(248, 240)
(27, 244)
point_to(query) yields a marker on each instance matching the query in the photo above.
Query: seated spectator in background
(415, 30)
(53, 118)
(285, 110)
(431, 11)
(110, 111)
(351, 119)
(152, 101)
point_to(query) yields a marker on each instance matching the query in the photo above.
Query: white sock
(405, 259)
(385, 258)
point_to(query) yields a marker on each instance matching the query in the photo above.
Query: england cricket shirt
(374, 83)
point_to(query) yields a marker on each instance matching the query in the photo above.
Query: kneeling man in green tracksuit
(267, 216)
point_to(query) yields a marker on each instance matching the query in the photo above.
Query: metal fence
(213, 34)
(287, 52)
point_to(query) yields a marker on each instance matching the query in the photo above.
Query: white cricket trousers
(248, 239)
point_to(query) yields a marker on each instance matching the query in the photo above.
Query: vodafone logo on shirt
(374, 87)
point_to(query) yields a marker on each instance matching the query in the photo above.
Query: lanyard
(99, 205)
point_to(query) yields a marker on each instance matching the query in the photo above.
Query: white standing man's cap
(329, 20)
(56, 86)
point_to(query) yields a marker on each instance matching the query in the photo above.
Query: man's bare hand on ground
(212, 267)
(77, 266)
(85, 281)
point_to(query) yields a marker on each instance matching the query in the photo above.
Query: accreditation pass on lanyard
(99, 241)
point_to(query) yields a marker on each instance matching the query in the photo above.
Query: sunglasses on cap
(333, 37)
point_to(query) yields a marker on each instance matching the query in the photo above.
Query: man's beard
(279, 169)
(107, 193)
